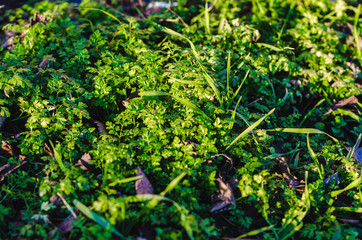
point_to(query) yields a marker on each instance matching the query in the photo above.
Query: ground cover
(207, 120)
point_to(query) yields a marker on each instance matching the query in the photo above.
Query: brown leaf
(351, 101)
(39, 18)
(84, 162)
(7, 149)
(143, 185)
(11, 167)
(225, 156)
(8, 43)
(66, 225)
(45, 62)
(288, 177)
(333, 178)
(352, 221)
(223, 198)
(101, 127)
(357, 154)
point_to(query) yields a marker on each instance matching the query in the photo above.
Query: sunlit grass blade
(237, 91)
(173, 184)
(356, 34)
(283, 99)
(209, 80)
(294, 222)
(125, 180)
(153, 94)
(349, 209)
(349, 114)
(311, 111)
(183, 101)
(301, 131)
(58, 157)
(152, 198)
(353, 184)
(350, 153)
(271, 47)
(314, 157)
(207, 19)
(228, 75)
(255, 232)
(96, 218)
(105, 12)
(250, 128)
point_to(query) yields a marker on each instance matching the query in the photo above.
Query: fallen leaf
(354, 68)
(84, 162)
(351, 101)
(11, 167)
(7, 149)
(39, 18)
(357, 154)
(45, 62)
(143, 185)
(333, 178)
(9, 43)
(287, 176)
(101, 127)
(66, 225)
(352, 221)
(225, 156)
(223, 198)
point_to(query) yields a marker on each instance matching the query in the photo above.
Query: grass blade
(356, 33)
(349, 209)
(353, 184)
(153, 94)
(255, 232)
(228, 76)
(301, 130)
(183, 101)
(173, 184)
(314, 157)
(154, 199)
(350, 153)
(96, 218)
(237, 91)
(311, 111)
(209, 80)
(107, 13)
(58, 157)
(250, 128)
(207, 19)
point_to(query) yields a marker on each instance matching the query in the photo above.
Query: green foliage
(247, 79)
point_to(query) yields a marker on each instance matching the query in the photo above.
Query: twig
(67, 205)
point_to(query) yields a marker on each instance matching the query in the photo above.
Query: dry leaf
(45, 62)
(7, 149)
(333, 178)
(225, 156)
(66, 225)
(352, 221)
(357, 154)
(101, 126)
(288, 177)
(11, 167)
(351, 101)
(223, 198)
(39, 18)
(84, 162)
(8, 43)
(143, 185)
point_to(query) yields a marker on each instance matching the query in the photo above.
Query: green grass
(222, 104)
